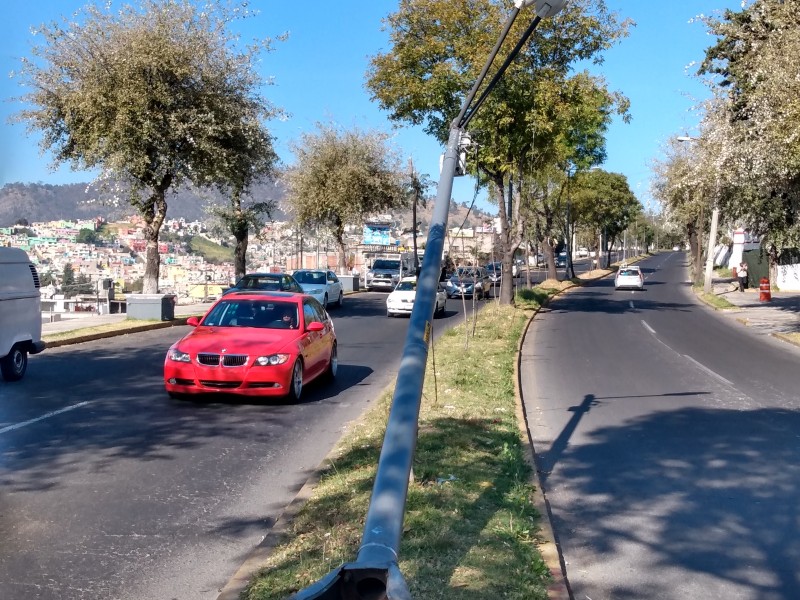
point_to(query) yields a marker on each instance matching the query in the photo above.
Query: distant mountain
(37, 202)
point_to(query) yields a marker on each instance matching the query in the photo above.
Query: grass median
(471, 528)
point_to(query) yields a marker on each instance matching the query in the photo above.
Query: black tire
(176, 396)
(341, 299)
(388, 314)
(325, 302)
(296, 382)
(333, 365)
(14, 364)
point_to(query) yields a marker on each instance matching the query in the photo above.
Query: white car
(322, 285)
(583, 252)
(629, 277)
(401, 300)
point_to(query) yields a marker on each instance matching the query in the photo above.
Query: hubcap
(297, 379)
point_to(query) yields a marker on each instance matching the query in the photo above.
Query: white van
(20, 313)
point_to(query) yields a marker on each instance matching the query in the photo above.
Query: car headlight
(450, 284)
(272, 359)
(316, 291)
(179, 355)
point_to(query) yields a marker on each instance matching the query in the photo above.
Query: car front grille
(226, 360)
(220, 385)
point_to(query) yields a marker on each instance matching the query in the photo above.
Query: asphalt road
(111, 490)
(667, 444)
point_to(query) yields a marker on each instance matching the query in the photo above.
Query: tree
(751, 123)
(341, 177)
(677, 187)
(604, 203)
(437, 53)
(154, 96)
(67, 278)
(87, 236)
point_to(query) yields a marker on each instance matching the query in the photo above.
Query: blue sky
(319, 76)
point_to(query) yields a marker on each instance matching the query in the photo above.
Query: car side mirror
(193, 321)
(315, 326)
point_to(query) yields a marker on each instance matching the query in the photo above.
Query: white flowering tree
(752, 126)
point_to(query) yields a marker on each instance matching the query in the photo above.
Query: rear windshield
(260, 283)
(310, 277)
(629, 273)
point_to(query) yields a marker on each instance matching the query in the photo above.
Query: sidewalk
(72, 321)
(781, 315)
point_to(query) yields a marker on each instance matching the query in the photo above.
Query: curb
(79, 339)
(548, 547)
(551, 555)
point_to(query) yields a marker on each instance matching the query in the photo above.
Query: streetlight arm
(544, 9)
(457, 122)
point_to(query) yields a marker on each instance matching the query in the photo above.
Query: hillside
(37, 202)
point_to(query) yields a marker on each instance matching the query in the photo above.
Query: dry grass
(470, 525)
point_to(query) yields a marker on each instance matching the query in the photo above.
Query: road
(667, 444)
(111, 490)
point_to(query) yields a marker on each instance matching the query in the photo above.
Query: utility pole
(712, 242)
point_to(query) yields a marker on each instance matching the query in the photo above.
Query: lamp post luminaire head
(544, 8)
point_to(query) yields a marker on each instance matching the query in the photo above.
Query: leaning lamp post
(375, 574)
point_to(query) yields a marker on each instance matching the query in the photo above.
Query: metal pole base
(356, 581)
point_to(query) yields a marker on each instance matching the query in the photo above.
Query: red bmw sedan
(254, 344)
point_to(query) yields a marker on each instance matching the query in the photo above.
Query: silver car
(469, 281)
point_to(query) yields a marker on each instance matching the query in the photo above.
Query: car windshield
(462, 273)
(313, 277)
(383, 263)
(265, 314)
(406, 286)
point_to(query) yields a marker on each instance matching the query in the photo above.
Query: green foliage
(87, 236)
(211, 252)
(155, 95)
(340, 177)
(68, 276)
(603, 201)
(541, 115)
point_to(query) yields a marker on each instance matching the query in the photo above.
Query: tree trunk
(694, 243)
(550, 258)
(240, 253)
(241, 232)
(154, 212)
(508, 237)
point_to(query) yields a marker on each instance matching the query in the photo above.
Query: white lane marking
(46, 416)
(650, 329)
(702, 367)
(630, 303)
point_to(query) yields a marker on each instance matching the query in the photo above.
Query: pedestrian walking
(741, 273)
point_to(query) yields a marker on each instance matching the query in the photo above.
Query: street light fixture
(375, 573)
(712, 234)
